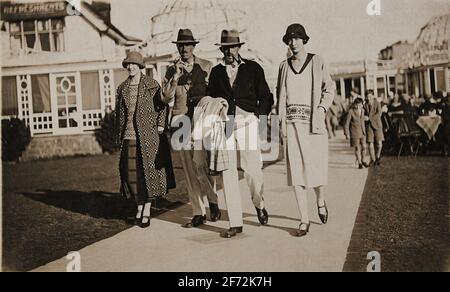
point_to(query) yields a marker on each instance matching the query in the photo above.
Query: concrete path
(168, 247)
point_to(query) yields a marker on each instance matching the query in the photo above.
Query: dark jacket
(374, 113)
(250, 91)
(154, 148)
(354, 125)
(189, 89)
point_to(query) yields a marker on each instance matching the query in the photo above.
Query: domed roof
(432, 44)
(206, 19)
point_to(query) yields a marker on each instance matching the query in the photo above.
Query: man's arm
(162, 110)
(210, 89)
(169, 85)
(265, 97)
(117, 114)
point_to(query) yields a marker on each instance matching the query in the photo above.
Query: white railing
(41, 123)
(91, 120)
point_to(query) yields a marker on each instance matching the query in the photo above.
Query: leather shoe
(303, 231)
(263, 216)
(232, 232)
(145, 223)
(195, 222)
(215, 212)
(323, 217)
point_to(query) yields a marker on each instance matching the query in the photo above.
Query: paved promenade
(168, 247)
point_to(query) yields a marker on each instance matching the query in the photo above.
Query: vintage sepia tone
(225, 136)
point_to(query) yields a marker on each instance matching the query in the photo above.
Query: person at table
(407, 108)
(429, 107)
(396, 106)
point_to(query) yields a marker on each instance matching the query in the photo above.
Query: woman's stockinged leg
(147, 209)
(140, 208)
(146, 215)
(302, 200)
(320, 195)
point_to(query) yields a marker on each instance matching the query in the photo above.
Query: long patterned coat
(150, 113)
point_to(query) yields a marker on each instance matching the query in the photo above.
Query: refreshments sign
(23, 11)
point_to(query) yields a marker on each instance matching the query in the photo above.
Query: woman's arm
(328, 88)
(162, 110)
(117, 115)
(281, 98)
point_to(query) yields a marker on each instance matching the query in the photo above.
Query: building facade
(428, 66)
(60, 67)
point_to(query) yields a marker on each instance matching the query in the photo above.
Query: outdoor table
(430, 125)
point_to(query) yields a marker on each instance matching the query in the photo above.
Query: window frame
(50, 31)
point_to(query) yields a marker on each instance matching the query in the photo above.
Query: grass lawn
(404, 215)
(53, 207)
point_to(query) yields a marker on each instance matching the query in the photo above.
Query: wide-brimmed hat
(134, 58)
(230, 38)
(295, 30)
(185, 36)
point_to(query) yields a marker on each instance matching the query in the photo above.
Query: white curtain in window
(90, 90)
(40, 86)
(9, 96)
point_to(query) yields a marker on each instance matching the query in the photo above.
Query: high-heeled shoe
(145, 223)
(323, 217)
(303, 232)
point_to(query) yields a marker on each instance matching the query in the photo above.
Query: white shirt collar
(222, 62)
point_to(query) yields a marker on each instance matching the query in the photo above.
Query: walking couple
(305, 92)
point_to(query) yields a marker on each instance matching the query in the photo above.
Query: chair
(408, 133)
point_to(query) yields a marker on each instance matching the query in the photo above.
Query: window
(9, 96)
(440, 79)
(338, 86)
(37, 35)
(432, 81)
(381, 87)
(90, 91)
(40, 87)
(392, 84)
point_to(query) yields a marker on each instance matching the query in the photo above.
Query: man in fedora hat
(185, 84)
(242, 83)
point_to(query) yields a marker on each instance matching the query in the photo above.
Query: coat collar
(145, 81)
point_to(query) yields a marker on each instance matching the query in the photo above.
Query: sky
(340, 30)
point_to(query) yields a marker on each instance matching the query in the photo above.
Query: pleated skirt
(307, 157)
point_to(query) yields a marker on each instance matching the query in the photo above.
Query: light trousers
(201, 186)
(243, 148)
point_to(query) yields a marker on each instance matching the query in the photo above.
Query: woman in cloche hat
(145, 163)
(305, 93)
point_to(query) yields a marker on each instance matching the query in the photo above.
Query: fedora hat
(134, 58)
(230, 38)
(295, 30)
(185, 36)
